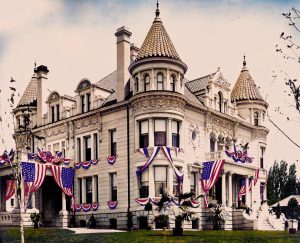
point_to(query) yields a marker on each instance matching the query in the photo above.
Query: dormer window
(146, 82)
(88, 98)
(220, 101)
(160, 81)
(57, 113)
(256, 117)
(82, 103)
(172, 83)
(52, 114)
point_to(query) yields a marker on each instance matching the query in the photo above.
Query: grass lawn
(62, 235)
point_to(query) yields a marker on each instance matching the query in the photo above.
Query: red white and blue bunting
(239, 156)
(7, 157)
(144, 151)
(46, 156)
(86, 207)
(111, 159)
(85, 164)
(174, 200)
(167, 153)
(112, 204)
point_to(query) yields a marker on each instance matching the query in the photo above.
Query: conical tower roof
(245, 87)
(29, 96)
(157, 42)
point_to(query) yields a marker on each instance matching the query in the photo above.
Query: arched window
(136, 84)
(172, 83)
(225, 107)
(220, 101)
(146, 82)
(256, 117)
(160, 81)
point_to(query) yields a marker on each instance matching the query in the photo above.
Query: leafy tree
(293, 205)
(273, 184)
(282, 179)
(291, 184)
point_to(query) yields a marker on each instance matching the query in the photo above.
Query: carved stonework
(86, 122)
(259, 135)
(220, 126)
(158, 103)
(56, 131)
(222, 82)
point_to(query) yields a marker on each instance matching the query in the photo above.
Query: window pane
(160, 139)
(144, 140)
(160, 125)
(160, 173)
(88, 142)
(113, 136)
(144, 127)
(160, 78)
(175, 140)
(175, 127)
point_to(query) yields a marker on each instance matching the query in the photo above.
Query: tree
(282, 179)
(291, 184)
(273, 184)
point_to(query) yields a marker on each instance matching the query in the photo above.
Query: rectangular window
(82, 103)
(113, 143)
(89, 189)
(144, 184)
(95, 146)
(193, 182)
(57, 113)
(160, 180)
(12, 202)
(262, 154)
(88, 148)
(212, 143)
(175, 134)
(96, 182)
(56, 148)
(144, 134)
(79, 149)
(88, 97)
(160, 132)
(52, 114)
(80, 190)
(176, 184)
(113, 184)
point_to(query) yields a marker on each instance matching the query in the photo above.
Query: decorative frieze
(56, 131)
(259, 135)
(220, 126)
(86, 122)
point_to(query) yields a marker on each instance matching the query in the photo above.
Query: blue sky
(75, 39)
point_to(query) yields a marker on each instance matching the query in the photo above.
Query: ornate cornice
(219, 125)
(83, 123)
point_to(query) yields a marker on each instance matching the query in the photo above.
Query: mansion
(110, 128)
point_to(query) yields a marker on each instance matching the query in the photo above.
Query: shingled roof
(245, 87)
(157, 42)
(109, 82)
(199, 84)
(29, 96)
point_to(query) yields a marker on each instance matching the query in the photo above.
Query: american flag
(210, 174)
(64, 178)
(255, 178)
(10, 189)
(33, 175)
(242, 190)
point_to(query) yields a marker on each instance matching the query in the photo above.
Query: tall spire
(244, 62)
(157, 9)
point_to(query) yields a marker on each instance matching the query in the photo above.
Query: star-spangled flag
(33, 175)
(255, 179)
(10, 189)
(64, 178)
(210, 174)
(242, 190)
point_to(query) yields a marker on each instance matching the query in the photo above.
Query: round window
(194, 135)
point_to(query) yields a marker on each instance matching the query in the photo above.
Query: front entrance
(51, 201)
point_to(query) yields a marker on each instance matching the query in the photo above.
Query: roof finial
(244, 62)
(34, 65)
(157, 9)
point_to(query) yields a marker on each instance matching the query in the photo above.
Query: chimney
(133, 52)
(123, 60)
(41, 72)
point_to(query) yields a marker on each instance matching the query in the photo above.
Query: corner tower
(245, 94)
(157, 65)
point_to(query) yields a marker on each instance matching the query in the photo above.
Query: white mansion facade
(147, 102)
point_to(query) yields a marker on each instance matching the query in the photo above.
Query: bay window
(175, 134)
(160, 81)
(160, 180)
(144, 134)
(136, 84)
(144, 184)
(160, 132)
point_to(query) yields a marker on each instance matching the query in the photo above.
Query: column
(178, 83)
(223, 188)
(83, 191)
(169, 132)
(247, 201)
(16, 204)
(252, 192)
(167, 81)
(152, 81)
(229, 189)
(63, 201)
(170, 180)
(151, 133)
(151, 181)
(94, 189)
(82, 149)
(33, 200)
